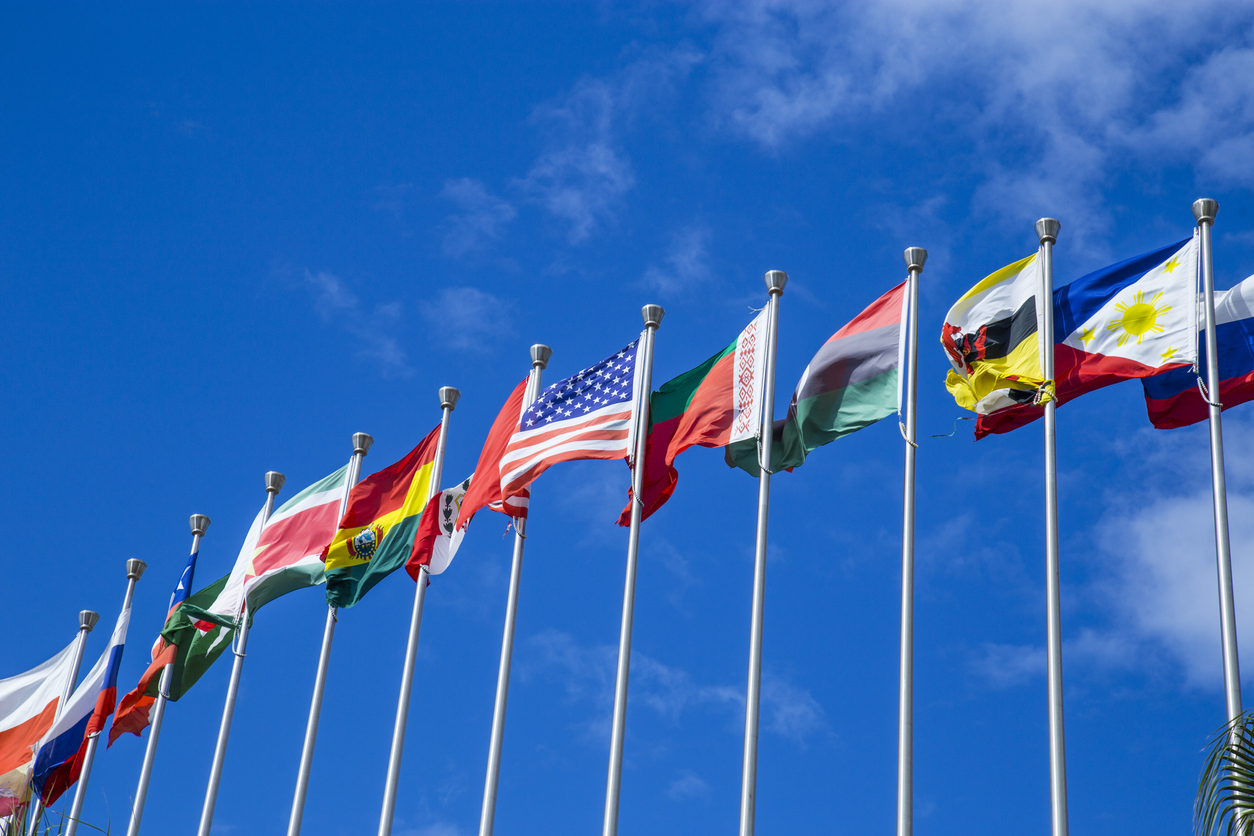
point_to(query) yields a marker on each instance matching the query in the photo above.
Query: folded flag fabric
(852, 382)
(589, 415)
(702, 407)
(376, 534)
(1134, 319)
(991, 336)
(28, 708)
(438, 536)
(485, 492)
(60, 757)
(1173, 399)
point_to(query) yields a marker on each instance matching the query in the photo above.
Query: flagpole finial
(362, 442)
(449, 396)
(1205, 210)
(775, 281)
(915, 258)
(274, 482)
(199, 524)
(652, 315)
(540, 354)
(87, 620)
(1047, 230)
(135, 568)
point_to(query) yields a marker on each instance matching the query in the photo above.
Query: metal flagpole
(915, 257)
(448, 401)
(199, 524)
(540, 355)
(86, 622)
(652, 315)
(361, 446)
(1205, 210)
(274, 484)
(775, 281)
(1047, 231)
(134, 571)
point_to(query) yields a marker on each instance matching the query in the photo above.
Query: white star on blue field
(233, 235)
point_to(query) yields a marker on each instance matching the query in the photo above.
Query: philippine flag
(1173, 399)
(1134, 319)
(60, 758)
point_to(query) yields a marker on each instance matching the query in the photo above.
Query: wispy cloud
(1007, 665)
(684, 266)
(468, 319)
(687, 785)
(372, 328)
(480, 219)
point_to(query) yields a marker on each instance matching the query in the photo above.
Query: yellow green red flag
(376, 534)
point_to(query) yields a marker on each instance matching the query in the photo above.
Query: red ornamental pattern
(744, 377)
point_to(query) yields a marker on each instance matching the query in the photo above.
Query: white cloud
(467, 319)
(684, 266)
(336, 304)
(1007, 665)
(687, 785)
(480, 221)
(440, 828)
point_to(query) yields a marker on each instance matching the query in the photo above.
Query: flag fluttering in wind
(589, 415)
(1134, 319)
(702, 407)
(1173, 398)
(485, 491)
(28, 708)
(60, 757)
(991, 336)
(376, 534)
(438, 537)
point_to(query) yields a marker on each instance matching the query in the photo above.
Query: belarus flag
(1134, 319)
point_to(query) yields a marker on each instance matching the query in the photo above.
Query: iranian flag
(715, 404)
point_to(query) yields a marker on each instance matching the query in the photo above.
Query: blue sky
(231, 236)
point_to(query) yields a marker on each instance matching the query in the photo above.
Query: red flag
(485, 490)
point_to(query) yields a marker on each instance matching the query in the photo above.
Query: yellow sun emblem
(1139, 318)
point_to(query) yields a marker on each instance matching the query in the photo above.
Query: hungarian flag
(709, 406)
(486, 491)
(438, 534)
(376, 534)
(853, 381)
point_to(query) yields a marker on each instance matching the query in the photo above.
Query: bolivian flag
(376, 534)
(992, 337)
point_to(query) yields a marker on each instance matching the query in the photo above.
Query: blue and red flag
(60, 757)
(1134, 319)
(1173, 398)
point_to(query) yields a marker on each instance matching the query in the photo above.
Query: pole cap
(449, 396)
(135, 568)
(87, 620)
(199, 524)
(775, 281)
(652, 315)
(915, 258)
(362, 442)
(1047, 230)
(274, 481)
(1205, 210)
(540, 354)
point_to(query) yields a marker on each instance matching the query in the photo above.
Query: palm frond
(1225, 793)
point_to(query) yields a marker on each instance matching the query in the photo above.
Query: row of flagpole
(1047, 230)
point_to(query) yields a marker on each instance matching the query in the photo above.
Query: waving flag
(438, 537)
(586, 416)
(61, 751)
(376, 535)
(28, 707)
(1134, 319)
(486, 490)
(1173, 398)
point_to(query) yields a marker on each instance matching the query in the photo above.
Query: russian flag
(1134, 319)
(1173, 399)
(61, 751)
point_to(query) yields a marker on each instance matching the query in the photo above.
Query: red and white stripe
(601, 434)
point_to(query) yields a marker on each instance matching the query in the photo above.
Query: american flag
(585, 416)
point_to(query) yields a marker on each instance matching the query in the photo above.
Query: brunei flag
(376, 534)
(992, 338)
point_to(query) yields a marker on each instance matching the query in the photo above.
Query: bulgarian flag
(376, 534)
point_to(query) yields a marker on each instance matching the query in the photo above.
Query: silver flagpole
(540, 355)
(775, 281)
(652, 315)
(274, 484)
(86, 621)
(915, 257)
(1205, 210)
(134, 571)
(361, 446)
(448, 401)
(1047, 231)
(199, 524)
